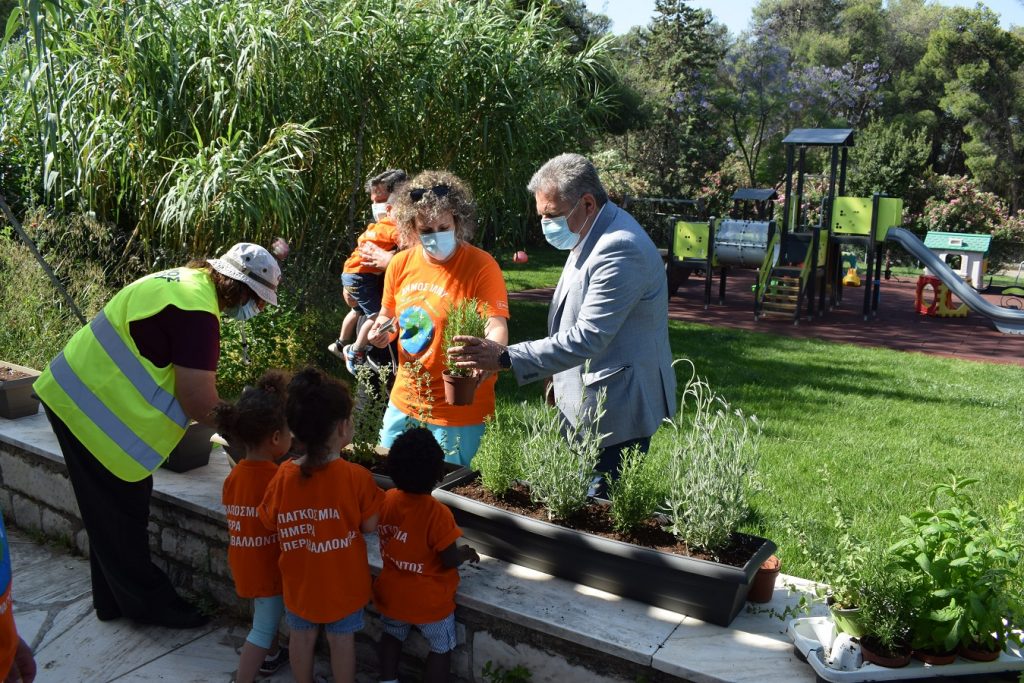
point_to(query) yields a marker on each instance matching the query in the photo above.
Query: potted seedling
(16, 399)
(885, 615)
(464, 319)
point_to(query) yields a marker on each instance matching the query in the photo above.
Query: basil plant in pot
(967, 575)
(668, 535)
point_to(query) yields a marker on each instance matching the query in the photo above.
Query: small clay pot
(935, 658)
(459, 391)
(976, 653)
(895, 660)
(762, 588)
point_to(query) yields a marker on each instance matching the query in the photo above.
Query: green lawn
(886, 423)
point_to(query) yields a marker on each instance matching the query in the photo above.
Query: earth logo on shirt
(417, 330)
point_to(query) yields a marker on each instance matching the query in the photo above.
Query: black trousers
(125, 582)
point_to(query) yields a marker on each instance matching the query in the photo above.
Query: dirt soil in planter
(594, 519)
(7, 373)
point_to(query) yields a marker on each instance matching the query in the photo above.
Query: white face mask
(250, 309)
(557, 233)
(380, 209)
(440, 245)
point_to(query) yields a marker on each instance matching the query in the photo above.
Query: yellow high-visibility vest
(116, 402)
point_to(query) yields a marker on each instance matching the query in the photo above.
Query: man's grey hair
(389, 179)
(569, 177)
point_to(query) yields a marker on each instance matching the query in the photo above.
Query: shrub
(560, 469)
(35, 324)
(636, 493)
(711, 469)
(498, 460)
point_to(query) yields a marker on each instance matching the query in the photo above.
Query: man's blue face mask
(557, 232)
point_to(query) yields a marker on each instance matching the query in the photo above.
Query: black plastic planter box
(698, 588)
(16, 397)
(192, 451)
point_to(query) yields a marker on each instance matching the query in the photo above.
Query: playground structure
(971, 248)
(800, 265)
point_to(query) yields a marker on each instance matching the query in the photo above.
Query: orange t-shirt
(419, 293)
(414, 586)
(323, 562)
(384, 234)
(8, 632)
(253, 551)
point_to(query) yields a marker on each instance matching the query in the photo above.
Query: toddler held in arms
(320, 505)
(257, 424)
(417, 584)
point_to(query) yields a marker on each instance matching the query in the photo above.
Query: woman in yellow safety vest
(120, 396)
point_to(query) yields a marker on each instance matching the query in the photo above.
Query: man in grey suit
(610, 308)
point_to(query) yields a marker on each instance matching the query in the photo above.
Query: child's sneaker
(274, 662)
(353, 358)
(337, 347)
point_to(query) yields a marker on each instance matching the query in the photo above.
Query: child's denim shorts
(439, 634)
(349, 624)
(366, 288)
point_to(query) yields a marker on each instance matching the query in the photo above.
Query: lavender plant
(711, 469)
(560, 469)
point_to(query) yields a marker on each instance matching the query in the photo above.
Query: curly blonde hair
(458, 200)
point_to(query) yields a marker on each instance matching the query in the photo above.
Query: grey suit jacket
(611, 308)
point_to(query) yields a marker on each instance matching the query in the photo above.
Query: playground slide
(1006, 320)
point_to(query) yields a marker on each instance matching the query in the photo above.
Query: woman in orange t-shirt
(436, 217)
(320, 506)
(257, 422)
(420, 557)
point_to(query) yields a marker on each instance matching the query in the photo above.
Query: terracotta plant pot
(935, 658)
(976, 653)
(16, 399)
(763, 587)
(896, 660)
(459, 391)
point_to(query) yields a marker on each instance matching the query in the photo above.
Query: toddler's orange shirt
(419, 293)
(414, 586)
(323, 562)
(384, 234)
(252, 551)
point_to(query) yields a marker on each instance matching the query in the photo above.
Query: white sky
(736, 13)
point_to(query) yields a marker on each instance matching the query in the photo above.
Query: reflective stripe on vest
(128, 363)
(100, 415)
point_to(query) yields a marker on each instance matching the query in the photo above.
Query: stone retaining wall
(190, 542)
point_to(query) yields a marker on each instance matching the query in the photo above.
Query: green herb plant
(635, 495)
(560, 469)
(464, 319)
(710, 469)
(885, 607)
(968, 582)
(498, 460)
(495, 673)
(371, 402)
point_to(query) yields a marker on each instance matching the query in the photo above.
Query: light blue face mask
(440, 245)
(557, 232)
(250, 309)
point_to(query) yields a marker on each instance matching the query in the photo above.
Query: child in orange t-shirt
(417, 546)
(256, 423)
(362, 276)
(320, 505)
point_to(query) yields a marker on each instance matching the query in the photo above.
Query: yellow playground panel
(852, 216)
